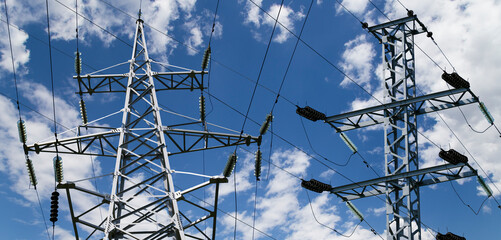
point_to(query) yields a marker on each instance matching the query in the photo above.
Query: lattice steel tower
(143, 202)
(399, 113)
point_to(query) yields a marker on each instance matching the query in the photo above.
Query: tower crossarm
(106, 83)
(375, 115)
(424, 176)
(104, 144)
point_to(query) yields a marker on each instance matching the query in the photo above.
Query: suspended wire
(313, 149)
(330, 228)
(53, 99)
(262, 66)
(292, 56)
(452, 130)
(252, 99)
(214, 22)
(350, 12)
(254, 212)
(379, 10)
(12, 59)
(95, 24)
(316, 52)
(231, 216)
(43, 215)
(215, 61)
(18, 105)
(464, 203)
(32, 36)
(236, 200)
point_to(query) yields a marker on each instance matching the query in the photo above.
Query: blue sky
(467, 31)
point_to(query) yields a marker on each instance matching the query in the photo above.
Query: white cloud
(21, 53)
(471, 45)
(256, 18)
(355, 6)
(281, 209)
(358, 61)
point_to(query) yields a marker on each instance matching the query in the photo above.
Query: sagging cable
(348, 142)
(266, 124)
(58, 168)
(21, 127)
(257, 170)
(230, 165)
(354, 210)
(484, 185)
(486, 113)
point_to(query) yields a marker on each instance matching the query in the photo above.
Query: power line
(325, 226)
(19, 110)
(450, 129)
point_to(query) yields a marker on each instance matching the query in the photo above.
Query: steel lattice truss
(403, 177)
(143, 203)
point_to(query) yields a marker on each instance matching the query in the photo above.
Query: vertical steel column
(400, 128)
(142, 162)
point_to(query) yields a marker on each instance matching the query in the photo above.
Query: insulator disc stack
(310, 113)
(316, 186)
(58, 168)
(455, 80)
(257, 170)
(31, 172)
(21, 127)
(205, 60)
(266, 124)
(452, 156)
(54, 205)
(230, 165)
(78, 63)
(83, 112)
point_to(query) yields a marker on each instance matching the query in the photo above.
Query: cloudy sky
(178, 31)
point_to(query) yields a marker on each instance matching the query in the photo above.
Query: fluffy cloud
(254, 16)
(357, 62)
(281, 210)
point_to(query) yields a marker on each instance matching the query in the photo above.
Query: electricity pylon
(398, 114)
(143, 202)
